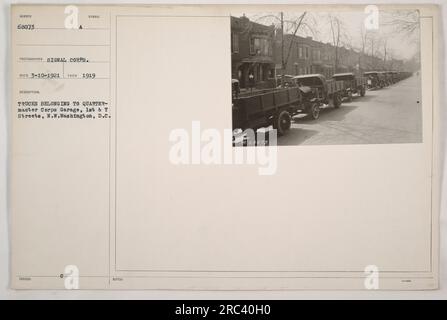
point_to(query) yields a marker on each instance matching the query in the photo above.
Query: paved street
(389, 115)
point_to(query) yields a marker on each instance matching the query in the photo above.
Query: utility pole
(283, 62)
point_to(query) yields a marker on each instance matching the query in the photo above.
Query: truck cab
(352, 83)
(375, 79)
(327, 91)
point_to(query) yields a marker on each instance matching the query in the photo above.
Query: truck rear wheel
(282, 123)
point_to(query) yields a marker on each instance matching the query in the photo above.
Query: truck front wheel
(282, 123)
(336, 101)
(362, 91)
(349, 96)
(314, 111)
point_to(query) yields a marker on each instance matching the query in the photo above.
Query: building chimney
(244, 18)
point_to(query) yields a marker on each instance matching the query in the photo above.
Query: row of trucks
(381, 79)
(304, 94)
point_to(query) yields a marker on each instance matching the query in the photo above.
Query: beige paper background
(328, 211)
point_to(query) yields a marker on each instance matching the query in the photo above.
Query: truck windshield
(310, 81)
(345, 77)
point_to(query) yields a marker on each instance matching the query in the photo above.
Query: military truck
(353, 84)
(274, 108)
(375, 79)
(325, 92)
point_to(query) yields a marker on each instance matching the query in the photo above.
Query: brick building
(307, 56)
(301, 55)
(257, 49)
(252, 52)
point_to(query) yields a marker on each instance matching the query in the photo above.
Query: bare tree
(405, 22)
(384, 43)
(363, 42)
(289, 50)
(390, 55)
(291, 24)
(339, 37)
(377, 42)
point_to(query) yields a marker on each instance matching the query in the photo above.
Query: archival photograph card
(224, 147)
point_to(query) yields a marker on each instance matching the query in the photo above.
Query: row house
(303, 55)
(259, 51)
(307, 56)
(252, 53)
(348, 60)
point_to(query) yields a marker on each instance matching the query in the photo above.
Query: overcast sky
(400, 44)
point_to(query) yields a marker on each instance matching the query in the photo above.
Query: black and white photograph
(348, 77)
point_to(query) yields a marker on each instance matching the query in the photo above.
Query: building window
(234, 42)
(252, 46)
(257, 46)
(306, 52)
(300, 52)
(265, 47)
(260, 46)
(317, 54)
